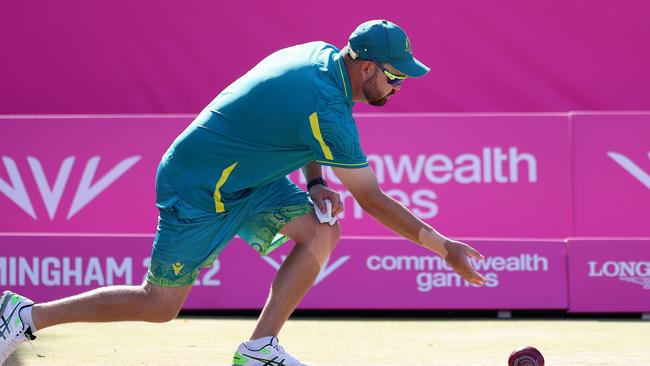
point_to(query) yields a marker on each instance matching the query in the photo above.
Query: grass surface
(341, 342)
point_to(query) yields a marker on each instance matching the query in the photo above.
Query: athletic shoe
(13, 331)
(271, 354)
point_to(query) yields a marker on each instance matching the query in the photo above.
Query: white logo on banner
(433, 272)
(627, 164)
(632, 271)
(50, 271)
(56, 271)
(410, 178)
(51, 194)
(324, 272)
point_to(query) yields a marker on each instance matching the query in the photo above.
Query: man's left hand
(319, 193)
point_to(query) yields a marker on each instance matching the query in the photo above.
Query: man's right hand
(457, 253)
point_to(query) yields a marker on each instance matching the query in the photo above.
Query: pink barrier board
(468, 175)
(370, 273)
(611, 174)
(609, 275)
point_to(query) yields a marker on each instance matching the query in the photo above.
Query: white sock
(26, 316)
(258, 343)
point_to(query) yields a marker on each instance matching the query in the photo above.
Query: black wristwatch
(315, 181)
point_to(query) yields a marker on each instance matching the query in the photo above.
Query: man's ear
(367, 69)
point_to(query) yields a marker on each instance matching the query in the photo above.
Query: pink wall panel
(174, 57)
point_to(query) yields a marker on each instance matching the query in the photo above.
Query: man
(226, 175)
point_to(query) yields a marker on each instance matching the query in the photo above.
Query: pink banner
(74, 56)
(468, 175)
(373, 273)
(612, 174)
(609, 275)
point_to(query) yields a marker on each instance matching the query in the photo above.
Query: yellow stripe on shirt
(315, 130)
(222, 180)
(345, 88)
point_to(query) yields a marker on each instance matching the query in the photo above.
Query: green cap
(385, 42)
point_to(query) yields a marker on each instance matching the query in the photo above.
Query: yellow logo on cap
(177, 267)
(408, 46)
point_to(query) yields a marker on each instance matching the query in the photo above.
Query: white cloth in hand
(327, 215)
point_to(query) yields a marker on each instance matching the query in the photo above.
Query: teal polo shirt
(292, 108)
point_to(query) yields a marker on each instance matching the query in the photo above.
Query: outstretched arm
(363, 185)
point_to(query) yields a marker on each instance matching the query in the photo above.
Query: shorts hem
(275, 245)
(164, 282)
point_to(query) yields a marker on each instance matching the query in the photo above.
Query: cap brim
(412, 68)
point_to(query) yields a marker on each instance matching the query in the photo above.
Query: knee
(159, 307)
(162, 313)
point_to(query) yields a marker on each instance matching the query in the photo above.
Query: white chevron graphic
(325, 271)
(631, 167)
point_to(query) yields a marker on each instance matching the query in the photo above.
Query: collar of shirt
(344, 78)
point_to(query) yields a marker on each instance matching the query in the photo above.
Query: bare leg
(146, 302)
(297, 273)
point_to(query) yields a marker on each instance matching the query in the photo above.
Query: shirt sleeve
(332, 135)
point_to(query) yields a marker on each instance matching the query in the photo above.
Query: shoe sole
(263, 361)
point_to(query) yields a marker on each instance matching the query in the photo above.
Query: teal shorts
(189, 238)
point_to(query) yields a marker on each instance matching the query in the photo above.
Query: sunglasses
(392, 79)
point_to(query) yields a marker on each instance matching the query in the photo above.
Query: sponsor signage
(373, 273)
(609, 275)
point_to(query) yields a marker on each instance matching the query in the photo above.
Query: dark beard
(372, 94)
(378, 102)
